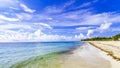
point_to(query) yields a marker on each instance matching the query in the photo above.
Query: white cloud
(2, 17)
(8, 3)
(15, 26)
(84, 17)
(59, 9)
(79, 37)
(26, 9)
(36, 36)
(53, 9)
(38, 33)
(35, 31)
(44, 24)
(90, 32)
(85, 5)
(24, 16)
(11, 36)
(14, 8)
(2, 21)
(105, 26)
(43, 17)
(83, 28)
(69, 3)
(11, 5)
(97, 19)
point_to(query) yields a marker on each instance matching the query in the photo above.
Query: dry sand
(86, 56)
(110, 50)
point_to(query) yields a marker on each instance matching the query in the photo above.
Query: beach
(90, 54)
(110, 50)
(95, 54)
(86, 56)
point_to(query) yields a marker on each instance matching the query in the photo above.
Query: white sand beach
(89, 56)
(110, 50)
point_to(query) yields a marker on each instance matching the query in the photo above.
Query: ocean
(14, 52)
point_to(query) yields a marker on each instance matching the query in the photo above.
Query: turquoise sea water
(11, 53)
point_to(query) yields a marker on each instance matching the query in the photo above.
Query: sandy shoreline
(87, 56)
(92, 55)
(110, 50)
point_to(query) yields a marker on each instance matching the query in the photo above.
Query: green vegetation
(116, 37)
(113, 38)
(47, 61)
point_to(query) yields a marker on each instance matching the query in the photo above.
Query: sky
(58, 20)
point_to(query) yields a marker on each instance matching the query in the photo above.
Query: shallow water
(11, 53)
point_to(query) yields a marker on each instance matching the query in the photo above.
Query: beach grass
(51, 60)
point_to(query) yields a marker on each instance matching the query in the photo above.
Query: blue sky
(58, 20)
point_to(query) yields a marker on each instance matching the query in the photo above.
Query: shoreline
(109, 50)
(85, 56)
(50, 60)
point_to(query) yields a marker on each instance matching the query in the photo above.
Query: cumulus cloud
(8, 34)
(105, 26)
(53, 16)
(18, 36)
(38, 33)
(90, 32)
(80, 36)
(36, 36)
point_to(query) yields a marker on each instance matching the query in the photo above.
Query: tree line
(113, 38)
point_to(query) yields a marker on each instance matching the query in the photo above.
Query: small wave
(46, 61)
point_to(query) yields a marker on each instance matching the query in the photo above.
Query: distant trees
(113, 38)
(116, 37)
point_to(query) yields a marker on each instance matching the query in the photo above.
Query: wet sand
(87, 56)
